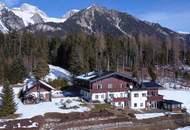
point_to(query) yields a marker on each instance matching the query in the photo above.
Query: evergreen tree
(134, 72)
(41, 69)
(17, 68)
(152, 73)
(76, 61)
(8, 104)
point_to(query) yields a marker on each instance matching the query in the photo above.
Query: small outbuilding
(172, 105)
(35, 91)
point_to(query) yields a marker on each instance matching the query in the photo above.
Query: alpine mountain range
(91, 20)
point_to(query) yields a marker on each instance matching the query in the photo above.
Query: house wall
(37, 91)
(152, 92)
(107, 96)
(139, 101)
(101, 90)
(98, 97)
(153, 99)
(118, 85)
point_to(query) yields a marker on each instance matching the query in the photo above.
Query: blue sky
(174, 14)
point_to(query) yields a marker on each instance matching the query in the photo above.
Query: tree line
(22, 53)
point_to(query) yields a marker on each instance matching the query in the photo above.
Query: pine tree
(8, 104)
(76, 64)
(152, 73)
(17, 68)
(41, 69)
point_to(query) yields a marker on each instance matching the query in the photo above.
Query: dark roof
(172, 102)
(102, 75)
(150, 85)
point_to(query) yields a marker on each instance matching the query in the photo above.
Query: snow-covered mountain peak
(32, 9)
(33, 15)
(182, 32)
(92, 6)
(27, 6)
(95, 7)
(70, 13)
(2, 5)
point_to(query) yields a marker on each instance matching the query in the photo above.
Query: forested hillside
(22, 52)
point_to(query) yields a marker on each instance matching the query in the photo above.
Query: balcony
(155, 97)
(124, 99)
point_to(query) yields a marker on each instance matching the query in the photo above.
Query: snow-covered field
(28, 111)
(185, 128)
(178, 95)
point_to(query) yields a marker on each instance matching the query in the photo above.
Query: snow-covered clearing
(185, 128)
(178, 95)
(28, 111)
(148, 115)
(57, 73)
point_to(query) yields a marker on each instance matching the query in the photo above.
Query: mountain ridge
(91, 20)
(27, 14)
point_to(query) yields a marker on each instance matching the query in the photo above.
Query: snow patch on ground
(148, 115)
(29, 111)
(57, 73)
(185, 128)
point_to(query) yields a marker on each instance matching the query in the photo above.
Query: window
(121, 94)
(110, 86)
(143, 94)
(136, 95)
(99, 86)
(141, 104)
(121, 85)
(96, 96)
(111, 95)
(119, 103)
(135, 104)
(102, 96)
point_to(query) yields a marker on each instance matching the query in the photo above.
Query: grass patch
(101, 107)
(83, 105)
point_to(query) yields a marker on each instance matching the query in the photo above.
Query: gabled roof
(151, 85)
(32, 82)
(47, 85)
(95, 76)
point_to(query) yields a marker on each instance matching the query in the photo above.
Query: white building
(138, 99)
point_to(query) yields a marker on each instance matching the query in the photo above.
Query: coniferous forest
(22, 53)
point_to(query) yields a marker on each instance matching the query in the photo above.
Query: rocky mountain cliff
(96, 19)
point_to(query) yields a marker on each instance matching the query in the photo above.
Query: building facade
(117, 89)
(35, 91)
